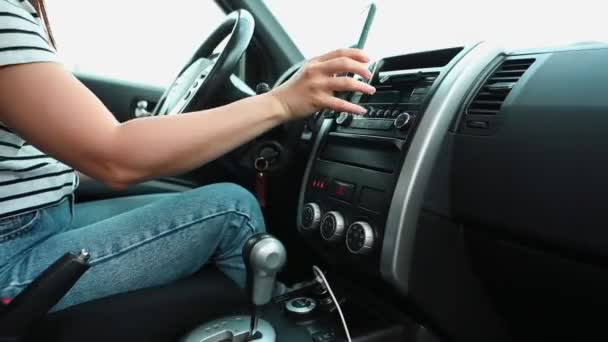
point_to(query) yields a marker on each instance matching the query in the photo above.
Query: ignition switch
(269, 153)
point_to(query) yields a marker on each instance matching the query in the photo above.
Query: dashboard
(461, 149)
(352, 177)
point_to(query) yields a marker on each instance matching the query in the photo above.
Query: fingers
(313, 87)
(356, 54)
(349, 84)
(340, 105)
(344, 64)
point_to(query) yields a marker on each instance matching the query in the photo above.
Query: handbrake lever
(41, 295)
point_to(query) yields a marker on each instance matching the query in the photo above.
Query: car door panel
(120, 96)
(91, 190)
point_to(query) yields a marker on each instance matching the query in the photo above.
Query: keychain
(261, 164)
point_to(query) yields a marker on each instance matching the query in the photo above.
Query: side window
(135, 40)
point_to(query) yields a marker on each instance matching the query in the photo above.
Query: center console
(357, 160)
(359, 205)
(366, 194)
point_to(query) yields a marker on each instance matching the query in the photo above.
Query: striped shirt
(29, 179)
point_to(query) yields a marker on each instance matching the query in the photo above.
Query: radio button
(344, 119)
(342, 190)
(332, 226)
(403, 120)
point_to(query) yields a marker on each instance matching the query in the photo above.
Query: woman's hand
(312, 88)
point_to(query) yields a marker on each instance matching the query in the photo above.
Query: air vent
(496, 88)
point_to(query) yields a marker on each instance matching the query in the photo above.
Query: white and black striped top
(29, 179)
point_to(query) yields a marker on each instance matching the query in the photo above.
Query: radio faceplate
(393, 109)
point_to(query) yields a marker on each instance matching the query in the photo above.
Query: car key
(260, 164)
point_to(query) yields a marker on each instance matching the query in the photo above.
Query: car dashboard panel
(357, 160)
(539, 173)
(460, 146)
(527, 183)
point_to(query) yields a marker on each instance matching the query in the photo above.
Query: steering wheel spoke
(203, 76)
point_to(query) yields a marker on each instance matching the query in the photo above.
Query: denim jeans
(134, 242)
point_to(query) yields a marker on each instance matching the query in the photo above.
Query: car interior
(465, 205)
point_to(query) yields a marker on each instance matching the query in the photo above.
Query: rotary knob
(344, 119)
(360, 238)
(311, 216)
(332, 226)
(402, 120)
(301, 308)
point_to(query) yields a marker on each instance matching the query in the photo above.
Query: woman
(53, 125)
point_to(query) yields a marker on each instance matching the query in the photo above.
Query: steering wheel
(203, 76)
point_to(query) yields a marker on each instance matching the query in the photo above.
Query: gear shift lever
(264, 256)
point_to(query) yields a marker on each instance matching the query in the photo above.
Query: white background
(148, 41)
(413, 25)
(138, 40)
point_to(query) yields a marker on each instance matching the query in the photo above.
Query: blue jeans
(134, 242)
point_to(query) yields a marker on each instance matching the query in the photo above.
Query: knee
(241, 200)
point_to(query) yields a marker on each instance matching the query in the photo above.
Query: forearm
(70, 124)
(50, 109)
(165, 145)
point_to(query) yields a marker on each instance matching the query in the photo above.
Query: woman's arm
(53, 111)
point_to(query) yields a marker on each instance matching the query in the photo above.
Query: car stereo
(398, 100)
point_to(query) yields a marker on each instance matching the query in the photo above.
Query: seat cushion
(154, 314)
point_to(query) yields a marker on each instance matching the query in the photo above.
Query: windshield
(400, 26)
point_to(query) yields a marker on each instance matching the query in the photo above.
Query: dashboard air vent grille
(494, 91)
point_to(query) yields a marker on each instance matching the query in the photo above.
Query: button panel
(361, 156)
(319, 183)
(342, 190)
(377, 118)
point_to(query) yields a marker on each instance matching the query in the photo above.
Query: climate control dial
(332, 226)
(360, 238)
(311, 216)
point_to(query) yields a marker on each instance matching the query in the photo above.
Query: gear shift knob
(264, 256)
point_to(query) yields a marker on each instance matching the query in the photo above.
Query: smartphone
(366, 20)
(367, 16)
